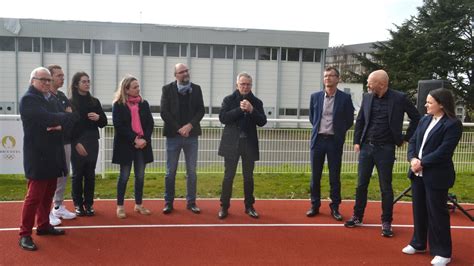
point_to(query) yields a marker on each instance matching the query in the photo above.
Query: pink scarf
(132, 104)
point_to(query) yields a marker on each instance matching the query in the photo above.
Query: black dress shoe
(195, 209)
(26, 243)
(223, 213)
(50, 231)
(251, 212)
(168, 208)
(312, 212)
(90, 211)
(80, 211)
(336, 215)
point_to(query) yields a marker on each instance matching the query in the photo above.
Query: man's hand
(184, 131)
(81, 150)
(56, 128)
(246, 106)
(356, 147)
(68, 109)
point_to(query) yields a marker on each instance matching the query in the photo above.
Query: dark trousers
(326, 146)
(37, 203)
(83, 175)
(431, 219)
(230, 165)
(383, 158)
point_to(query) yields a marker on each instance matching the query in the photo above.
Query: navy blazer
(43, 151)
(170, 109)
(437, 157)
(124, 137)
(230, 116)
(398, 105)
(343, 115)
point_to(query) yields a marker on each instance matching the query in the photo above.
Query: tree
(435, 44)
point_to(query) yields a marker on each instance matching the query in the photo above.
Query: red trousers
(37, 203)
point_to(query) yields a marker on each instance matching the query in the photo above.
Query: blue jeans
(326, 146)
(139, 170)
(382, 157)
(189, 146)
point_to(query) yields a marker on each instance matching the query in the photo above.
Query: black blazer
(170, 109)
(124, 137)
(437, 159)
(230, 116)
(43, 151)
(398, 106)
(343, 115)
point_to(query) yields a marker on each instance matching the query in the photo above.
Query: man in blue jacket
(43, 155)
(377, 131)
(331, 114)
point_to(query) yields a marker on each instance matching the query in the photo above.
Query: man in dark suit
(43, 155)
(182, 108)
(331, 114)
(241, 113)
(377, 131)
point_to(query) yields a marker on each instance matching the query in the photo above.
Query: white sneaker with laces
(411, 250)
(440, 261)
(53, 220)
(63, 213)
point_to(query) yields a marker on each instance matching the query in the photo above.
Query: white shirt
(432, 124)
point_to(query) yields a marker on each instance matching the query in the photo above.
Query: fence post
(102, 150)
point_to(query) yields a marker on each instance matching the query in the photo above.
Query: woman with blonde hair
(133, 125)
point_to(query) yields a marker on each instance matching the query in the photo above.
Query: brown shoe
(142, 210)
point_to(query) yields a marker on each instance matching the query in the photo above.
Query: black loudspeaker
(424, 87)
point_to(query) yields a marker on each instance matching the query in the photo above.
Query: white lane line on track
(222, 225)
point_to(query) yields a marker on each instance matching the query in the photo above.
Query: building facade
(287, 66)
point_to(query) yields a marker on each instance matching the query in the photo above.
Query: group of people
(378, 131)
(59, 131)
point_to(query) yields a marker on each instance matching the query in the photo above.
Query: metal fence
(284, 148)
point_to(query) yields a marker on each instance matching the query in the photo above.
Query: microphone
(244, 97)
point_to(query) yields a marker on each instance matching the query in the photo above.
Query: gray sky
(347, 21)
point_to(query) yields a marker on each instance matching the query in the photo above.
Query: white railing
(284, 148)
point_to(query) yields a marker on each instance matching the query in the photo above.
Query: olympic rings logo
(9, 156)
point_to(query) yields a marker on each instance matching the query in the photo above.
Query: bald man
(378, 130)
(182, 108)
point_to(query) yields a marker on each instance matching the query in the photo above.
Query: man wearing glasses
(331, 115)
(241, 113)
(43, 155)
(182, 108)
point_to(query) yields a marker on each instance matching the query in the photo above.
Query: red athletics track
(282, 236)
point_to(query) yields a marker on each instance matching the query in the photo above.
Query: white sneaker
(63, 213)
(53, 220)
(440, 261)
(411, 250)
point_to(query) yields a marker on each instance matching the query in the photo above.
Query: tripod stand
(451, 198)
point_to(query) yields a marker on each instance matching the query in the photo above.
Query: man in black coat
(377, 131)
(241, 113)
(182, 108)
(43, 155)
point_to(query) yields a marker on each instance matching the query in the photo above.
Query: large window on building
(59, 45)
(201, 50)
(27, 44)
(7, 43)
(293, 54)
(108, 47)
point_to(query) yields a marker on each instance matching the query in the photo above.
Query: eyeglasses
(183, 71)
(85, 81)
(327, 76)
(245, 84)
(43, 80)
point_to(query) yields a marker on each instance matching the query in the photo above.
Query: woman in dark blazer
(85, 143)
(432, 173)
(133, 125)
